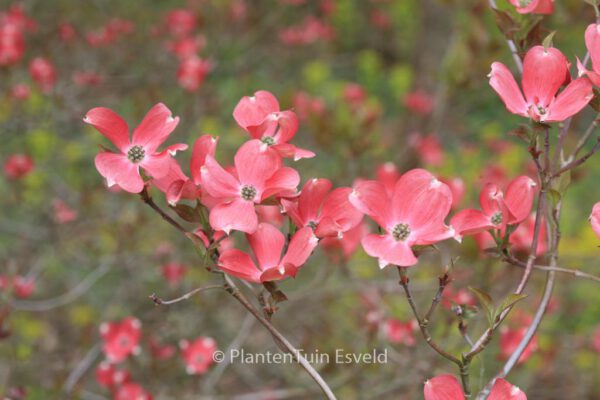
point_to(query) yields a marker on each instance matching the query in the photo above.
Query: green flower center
(136, 154)
(268, 140)
(248, 193)
(497, 218)
(312, 225)
(401, 232)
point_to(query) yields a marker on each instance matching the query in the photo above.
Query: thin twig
(509, 258)
(160, 302)
(81, 368)
(148, 200)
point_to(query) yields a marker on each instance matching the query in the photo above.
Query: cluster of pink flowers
(122, 339)
(14, 23)
(21, 286)
(447, 387)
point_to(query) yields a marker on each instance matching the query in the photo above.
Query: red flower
(533, 6)
(267, 244)
(173, 272)
(522, 237)
(327, 213)
(20, 91)
(595, 219)
(43, 73)
(510, 339)
(413, 215)
(123, 168)
(401, 332)
(175, 184)
(63, 214)
(260, 116)
(447, 387)
(12, 43)
(419, 102)
(544, 72)
(23, 287)
(592, 42)
(258, 174)
(109, 376)
(198, 355)
(498, 210)
(192, 71)
(347, 243)
(121, 339)
(180, 22)
(17, 166)
(131, 391)
(387, 174)
(161, 351)
(429, 148)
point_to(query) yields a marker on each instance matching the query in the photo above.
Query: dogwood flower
(131, 390)
(123, 168)
(121, 339)
(545, 70)
(498, 210)
(267, 245)
(198, 354)
(258, 174)
(328, 213)
(260, 116)
(592, 42)
(413, 215)
(533, 6)
(595, 219)
(447, 387)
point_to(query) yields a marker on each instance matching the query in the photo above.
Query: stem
(586, 136)
(424, 323)
(510, 43)
(235, 292)
(578, 162)
(575, 272)
(145, 195)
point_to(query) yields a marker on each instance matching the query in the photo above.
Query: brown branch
(146, 198)
(509, 258)
(579, 161)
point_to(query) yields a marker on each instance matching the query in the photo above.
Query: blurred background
(373, 82)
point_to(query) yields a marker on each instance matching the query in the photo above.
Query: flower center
(312, 225)
(136, 154)
(248, 192)
(401, 232)
(268, 140)
(541, 110)
(496, 218)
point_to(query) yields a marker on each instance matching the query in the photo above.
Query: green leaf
(547, 43)
(486, 302)
(510, 301)
(187, 213)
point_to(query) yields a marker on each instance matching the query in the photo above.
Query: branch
(509, 258)
(510, 43)
(160, 302)
(423, 322)
(579, 161)
(148, 200)
(235, 292)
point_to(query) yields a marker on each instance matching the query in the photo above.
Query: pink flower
(447, 387)
(354, 94)
(109, 376)
(413, 215)
(131, 391)
(533, 6)
(419, 102)
(428, 147)
(267, 244)
(192, 71)
(328, 213)
(12, 44)
(175, 184)
(401, 332)
(592, 42)
(270, 214)
(63, 214)
(260, 116)
(66, 32)
(595, 219)
(87, 78)
(347, 244)
(457, 186)
(180, 22)
(43, 73)
(461, 297)
(23, 286)
(306, 105)
(161, 351)
(510, 339)
(20, 91)
(258, 174)
(198, 355)
(522, 237)
(18, 166)
(123, 168)
(309, 31)
(387, 174)
(121, 339)
(173, 272)
(544, 72)
(498, 210)
(187, 46)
